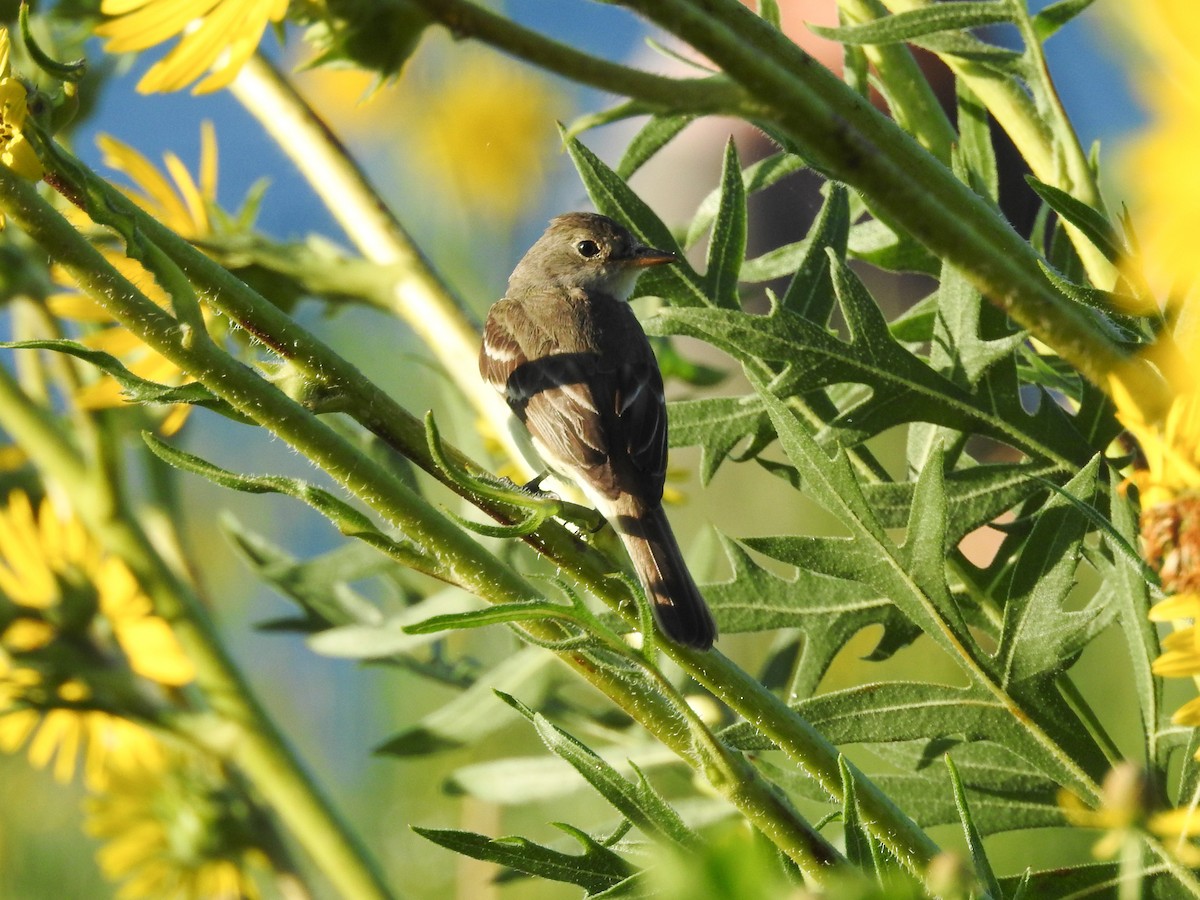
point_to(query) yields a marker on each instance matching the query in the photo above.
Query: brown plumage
(574, 365)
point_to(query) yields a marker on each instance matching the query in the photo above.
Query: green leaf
(595, 870)
(1109, 303)
(859, 845)
(727, 247)
(961, 349)
(974, 496)
(905, 711)
(983, 867)
(869, 555)
(755, 177)
(387, 638)
(718, 425)
(1132, 597)
(1095, 880)
(521, 780)
(885, 248)
(1056, 15)
(133, 387)
(638, 802)
(830, 611)
(775, 263)
(903, 388)
(1038, 637)
(916, 23)
(653, 136)
(769, 10)
(472, 715)
(321, 586)
(975, 144)
(679, 283)
(1094, 225)
(810, 293)
(348, 520)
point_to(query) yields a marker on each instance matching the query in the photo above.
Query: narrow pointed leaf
(1056, 15)
(916, 23)
(983, 867)
(1092, 223)
(727, 247)
(595, 870)
(652, 137)
(638, 802)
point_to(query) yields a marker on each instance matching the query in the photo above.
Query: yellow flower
(176, 832)
(15, 150)
(1124, 808)
(484, 130)
(1159, 164)
(216, 36)
(56, 581)
(182, 203)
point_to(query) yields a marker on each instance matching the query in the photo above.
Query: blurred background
(464, 147)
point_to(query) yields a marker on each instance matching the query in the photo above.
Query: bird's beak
(648, 256)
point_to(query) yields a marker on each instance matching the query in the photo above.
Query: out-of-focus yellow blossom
(176, 832)
(1123, 812)
(182, 204)
(56, 581)
(484, 128)
(1160, 163)
(15, 150)
(215, 36)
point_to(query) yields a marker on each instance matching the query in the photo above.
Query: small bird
(571, 359)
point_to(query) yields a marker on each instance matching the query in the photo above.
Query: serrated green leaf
(348, 520)
(1131, 595)
(596, 869)
(983, 866)
(134, 388)
(679, 283)
(1056, 15)
(810, 292)
(829, 611)
(970, 336)
(718, 425)
(727, 246)
(905, 711)
(755, 177)
(917, 23)
(638, 802)
(472, 715)
(974, 496)
(903, 388)
(1038, 637)
(1005, 794)
(651, 138)
(1094, 225)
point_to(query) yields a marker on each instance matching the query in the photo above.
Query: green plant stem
(462, 18)
(250, 737)
(910, 98)
(417, 295)
(465, 561)
(1047, 143)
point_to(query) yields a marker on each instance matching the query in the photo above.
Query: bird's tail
(678, 607)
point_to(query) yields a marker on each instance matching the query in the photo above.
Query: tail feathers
(678, 607)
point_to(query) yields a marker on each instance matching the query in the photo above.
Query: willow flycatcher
(569, 356)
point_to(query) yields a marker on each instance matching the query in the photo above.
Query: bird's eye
(587, 249)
